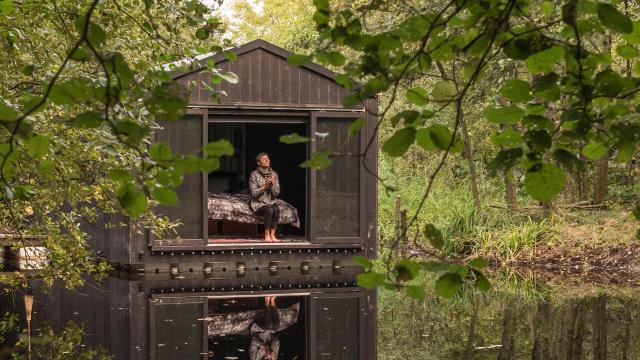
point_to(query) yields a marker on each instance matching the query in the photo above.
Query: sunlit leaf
(544, 181)
(516, 90)
(418, 96)
(415, 292)
(362, 261)
(318, 160)
(370, 280)
(448, 285)
(613, 19)
(217, 148)
(399, 142)
(293, 138)
(594, 150)
(504, 115)
(165, 196)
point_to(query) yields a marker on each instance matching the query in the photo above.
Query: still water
(328, 318)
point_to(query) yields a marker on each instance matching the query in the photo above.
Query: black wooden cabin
(336, 206)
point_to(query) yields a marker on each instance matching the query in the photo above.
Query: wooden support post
(403, 225)
(396, 232)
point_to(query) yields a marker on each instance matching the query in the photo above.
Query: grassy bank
(600, 237)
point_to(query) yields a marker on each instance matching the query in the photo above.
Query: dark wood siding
(337, 187)
(185, 136)
(266, 79)
(175, 331)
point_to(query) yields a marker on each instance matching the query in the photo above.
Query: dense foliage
(85, 83)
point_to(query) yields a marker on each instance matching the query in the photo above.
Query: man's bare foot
(273, 235)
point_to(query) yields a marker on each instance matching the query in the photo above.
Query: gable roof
(200, 62)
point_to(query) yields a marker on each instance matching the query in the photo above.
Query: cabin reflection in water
(308, 318)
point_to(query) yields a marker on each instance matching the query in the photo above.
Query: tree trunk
(601, 180)
(508, 328)
(468, 155)
(510, 187)
(540, 349)
(468, 350)
(578, 338)
(599, 340)
(467, 148)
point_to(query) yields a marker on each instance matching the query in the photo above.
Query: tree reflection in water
(595, 323)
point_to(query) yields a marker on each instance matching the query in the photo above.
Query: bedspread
(235, 207)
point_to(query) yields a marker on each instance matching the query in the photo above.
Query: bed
(235, 207)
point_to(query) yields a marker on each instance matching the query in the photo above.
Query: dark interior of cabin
(238, 328)
(230, 183)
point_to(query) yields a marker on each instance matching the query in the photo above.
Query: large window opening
(230, 217)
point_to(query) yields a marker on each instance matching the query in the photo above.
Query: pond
(323, 318)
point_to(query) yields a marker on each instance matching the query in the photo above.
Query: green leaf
(132, 200)
(613, 19)
(415, 292)
(407, 269)
(298, 60)
(636, 211)
(544, 82)
(627, 51)
(166, 103)
(505, 159)
(81, 54)
(516, 90)
(202, 33)
(28, 70)
(507, 138)
(362, 261)
(544, 61)
(87, 120)
(293, 139)
(448, 285)
(318, 160)
(218, 148)
(625, 152)
(444, 91)
(482, 283)
(417, 95)
(478, 263)
(7, 113)
(537, 122)
(544, 181)
(38, 146)
(46, 167)
(230, 55)
(120, 175)
(334, 58)
(505, 115)
(165, 196)
(441, 136)
(7, 7)
(423, 138)
(370, 280)
(356, 125)
(160, 152)
(95, 34)
(399, 143)
(594, 150)
(435, 266)
(407, 116)
(70, 92)
(546, 8)
(434, 236)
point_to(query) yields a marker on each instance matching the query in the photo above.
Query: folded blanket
(235, 207)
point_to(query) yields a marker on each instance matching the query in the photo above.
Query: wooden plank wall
(267, 79)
